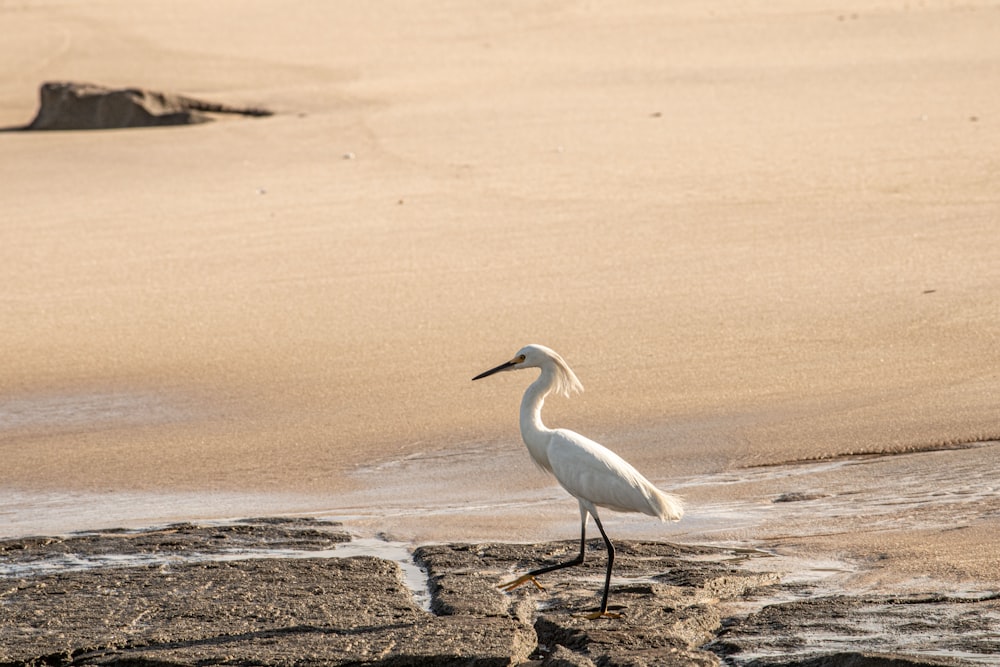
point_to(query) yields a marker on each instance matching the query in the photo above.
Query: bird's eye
(520, 357)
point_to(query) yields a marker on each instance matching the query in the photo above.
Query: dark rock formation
(256, 592)
(84, 106)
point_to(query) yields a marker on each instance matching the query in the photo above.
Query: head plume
(566, 381)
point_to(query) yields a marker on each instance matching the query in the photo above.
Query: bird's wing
(594, 473)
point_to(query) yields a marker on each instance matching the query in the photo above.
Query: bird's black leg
(530, 576)
(570, 563)
(607, 578)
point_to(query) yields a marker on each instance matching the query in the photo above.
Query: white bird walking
(590, 472)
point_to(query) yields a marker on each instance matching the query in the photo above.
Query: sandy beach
(766, 236)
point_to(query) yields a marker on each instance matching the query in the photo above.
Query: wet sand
(764, 236)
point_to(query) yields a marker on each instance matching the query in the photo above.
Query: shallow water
(40, 512)
(934, 489)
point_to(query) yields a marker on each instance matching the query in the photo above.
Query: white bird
(591, 473)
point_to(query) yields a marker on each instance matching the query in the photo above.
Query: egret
(591, 473)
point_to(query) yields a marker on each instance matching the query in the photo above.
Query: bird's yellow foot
(594, 615)
(523, 579)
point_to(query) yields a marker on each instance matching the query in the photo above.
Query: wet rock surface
(171, 543)
(273, 592)
(662, 623)
(868, 631)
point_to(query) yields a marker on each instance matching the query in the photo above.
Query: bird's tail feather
(667, 506)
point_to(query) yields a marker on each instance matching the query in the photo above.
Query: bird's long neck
(534, 433)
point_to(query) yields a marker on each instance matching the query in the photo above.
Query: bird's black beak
(501, 367)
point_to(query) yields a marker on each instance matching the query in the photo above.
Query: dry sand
(760, 232)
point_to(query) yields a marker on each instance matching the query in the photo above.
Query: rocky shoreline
(273, 592)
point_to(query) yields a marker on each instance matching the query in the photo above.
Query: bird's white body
(596, 475)
(590, 472)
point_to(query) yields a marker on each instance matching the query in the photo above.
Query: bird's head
(539, 356)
